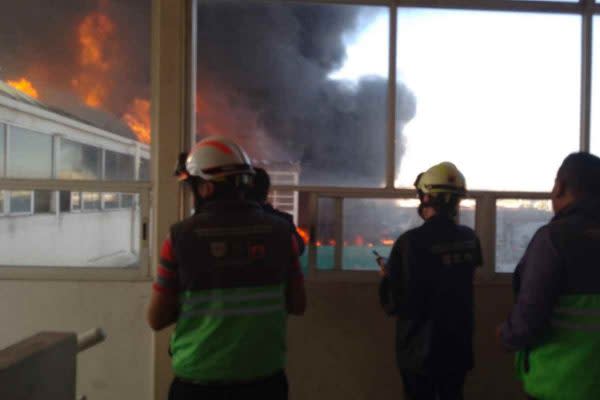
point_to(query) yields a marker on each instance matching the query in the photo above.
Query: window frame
(140, 272)
(12, 213)
(485, 209)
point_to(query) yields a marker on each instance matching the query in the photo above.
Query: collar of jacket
(229, 205)
(439, 219)
(589, 207)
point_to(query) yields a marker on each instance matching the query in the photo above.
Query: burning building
(41, 142)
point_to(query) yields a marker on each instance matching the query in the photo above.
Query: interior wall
(343, 348)
(120, 367)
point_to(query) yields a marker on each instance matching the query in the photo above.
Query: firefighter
(555, 323)
(228, 277)
(259, 193)
(428, 286)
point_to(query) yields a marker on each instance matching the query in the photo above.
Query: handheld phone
(376, 253)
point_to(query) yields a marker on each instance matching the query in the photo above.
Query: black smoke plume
(263, 77)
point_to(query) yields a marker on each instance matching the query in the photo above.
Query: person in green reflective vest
(228, 277)
(555, 323)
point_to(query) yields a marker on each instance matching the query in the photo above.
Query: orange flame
(303, 234)
(94, 31)
(138, 119)
(94, 34)
(387, 242)
(25, 86)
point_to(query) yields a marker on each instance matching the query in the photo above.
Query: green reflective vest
(230, 334)
(565, 365)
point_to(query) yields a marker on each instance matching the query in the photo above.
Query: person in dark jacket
(428, 285)
(555, 323)
(228, 278)
(259, 193)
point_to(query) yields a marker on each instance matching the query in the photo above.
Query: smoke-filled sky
(264, 78)
(87, 57)
(308, 83)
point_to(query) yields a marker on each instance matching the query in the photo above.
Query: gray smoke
(263, 77)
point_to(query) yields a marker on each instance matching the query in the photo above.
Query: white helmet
(215, 158)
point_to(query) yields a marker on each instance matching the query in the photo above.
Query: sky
(497, 93)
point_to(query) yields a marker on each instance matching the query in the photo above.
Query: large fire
(138, 119)
(25, 86)
(95, 34)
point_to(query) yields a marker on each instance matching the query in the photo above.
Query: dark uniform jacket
(563, 257)
(231, 244)
(268, 208)
(429, 287)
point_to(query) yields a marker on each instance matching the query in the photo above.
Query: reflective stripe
(231, 298)
(588, 328)
(232, 311)
(593, 312)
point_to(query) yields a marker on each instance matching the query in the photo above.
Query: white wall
(69, 239)
(119, 368)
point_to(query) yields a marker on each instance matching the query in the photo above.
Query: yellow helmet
(443, 178)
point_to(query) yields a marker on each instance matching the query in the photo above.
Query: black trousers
(271, 388)
(440, 387)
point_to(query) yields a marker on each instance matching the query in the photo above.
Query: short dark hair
(580, 173)
(260, 188)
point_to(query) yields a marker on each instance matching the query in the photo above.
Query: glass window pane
(91, 200)
(76, 201)
(100, 76)
(20, 202)
(325, 235)
(79, 161)
(484, 100)
(110, 200)
(119, 167)
(43, 201)
(468, 207)
(375, 224)
(81, 239)
(65, 201)
(30, 154)
(299, 84)
(127, 200)
(516, 222)
(2, 149)
(144, 169)
(78, 71)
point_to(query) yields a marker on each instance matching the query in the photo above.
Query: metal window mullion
(497, 5)
(137, 161)
(485, 225)
(339, 233)
(7, 134)
(587, 27)
(4, 165)
(392, 99)
(313, 218)
(56, 143)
